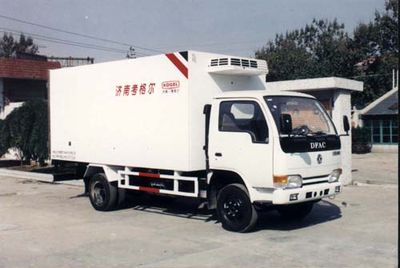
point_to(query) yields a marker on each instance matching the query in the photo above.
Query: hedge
(26, 130)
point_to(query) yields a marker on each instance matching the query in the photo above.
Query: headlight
(294, 181)
(288, 181)
(335, 174)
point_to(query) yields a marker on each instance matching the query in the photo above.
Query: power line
(78, 34)
(76, 45)
(67, 42)
(48, 38)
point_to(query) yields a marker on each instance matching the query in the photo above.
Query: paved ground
(375, 168)
(49, 225)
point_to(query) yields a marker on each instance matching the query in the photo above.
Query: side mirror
(346, 125)
(286, 124)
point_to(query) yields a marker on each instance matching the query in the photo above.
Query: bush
(3, 139)
(26, 130)
(360, 140)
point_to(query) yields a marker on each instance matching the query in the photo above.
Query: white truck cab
(282, 145)
(198, 125)
(247, 133)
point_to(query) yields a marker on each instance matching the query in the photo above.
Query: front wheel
(234, 209)
(103, 195)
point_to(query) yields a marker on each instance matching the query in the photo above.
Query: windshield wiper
(318, 133)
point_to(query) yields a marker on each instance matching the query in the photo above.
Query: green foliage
(26, 129)
(361, 140)
(320, 49)
(323, 48)
(8, 45)
(378, 44)
(3, 139)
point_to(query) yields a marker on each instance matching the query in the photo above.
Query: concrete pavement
(375, 168)
(51, 225)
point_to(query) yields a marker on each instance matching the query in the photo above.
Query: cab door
(239, 141)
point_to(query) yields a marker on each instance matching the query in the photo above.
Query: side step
(159, 183)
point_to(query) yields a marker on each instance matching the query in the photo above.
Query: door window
(243, 116)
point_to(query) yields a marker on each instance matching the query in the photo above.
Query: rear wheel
(234, 209)
(103, 195)
(295, 211)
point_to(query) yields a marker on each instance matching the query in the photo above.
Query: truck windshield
(308, 117)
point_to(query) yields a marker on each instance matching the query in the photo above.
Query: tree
(3, 139)
(26, 130)
(378, 44)
(360, 140)
(319, 49)
(9, 46)
(324, 48)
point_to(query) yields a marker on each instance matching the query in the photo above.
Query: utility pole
(131, 53)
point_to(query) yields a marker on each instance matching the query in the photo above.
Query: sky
(235, 27)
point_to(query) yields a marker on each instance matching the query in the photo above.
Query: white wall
(385, 148)
(341, 107)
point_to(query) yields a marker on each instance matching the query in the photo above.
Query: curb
(27, 175)
(49, 178)
(374, 184)
(77, 183)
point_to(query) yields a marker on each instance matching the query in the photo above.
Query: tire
(103, 195)
(296, 211)
(121, 197)
(235, 210)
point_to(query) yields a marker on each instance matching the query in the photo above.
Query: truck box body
(145, 112)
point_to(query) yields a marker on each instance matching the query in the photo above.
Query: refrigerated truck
(198, 125)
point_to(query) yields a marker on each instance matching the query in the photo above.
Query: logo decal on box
(170, 84)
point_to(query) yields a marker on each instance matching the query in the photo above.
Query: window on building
(383, 130)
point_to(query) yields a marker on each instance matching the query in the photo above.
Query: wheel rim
(234, 209)
(98, 194)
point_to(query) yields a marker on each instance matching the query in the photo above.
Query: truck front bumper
(306, 193)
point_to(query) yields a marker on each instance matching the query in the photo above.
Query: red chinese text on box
(135, 89)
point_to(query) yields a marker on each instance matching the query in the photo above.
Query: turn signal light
(280, 180)
(288, 181)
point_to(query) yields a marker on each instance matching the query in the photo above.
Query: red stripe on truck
(178, 64)
(149, 189)
(149, 175)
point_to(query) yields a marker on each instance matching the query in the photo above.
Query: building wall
(338, 103)
(385, 148)
(17, 90)
(26, 69)
(342, 107)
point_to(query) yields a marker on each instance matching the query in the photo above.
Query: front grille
(315, 179)
(314, 182)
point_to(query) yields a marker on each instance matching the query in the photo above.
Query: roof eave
(312, 84)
